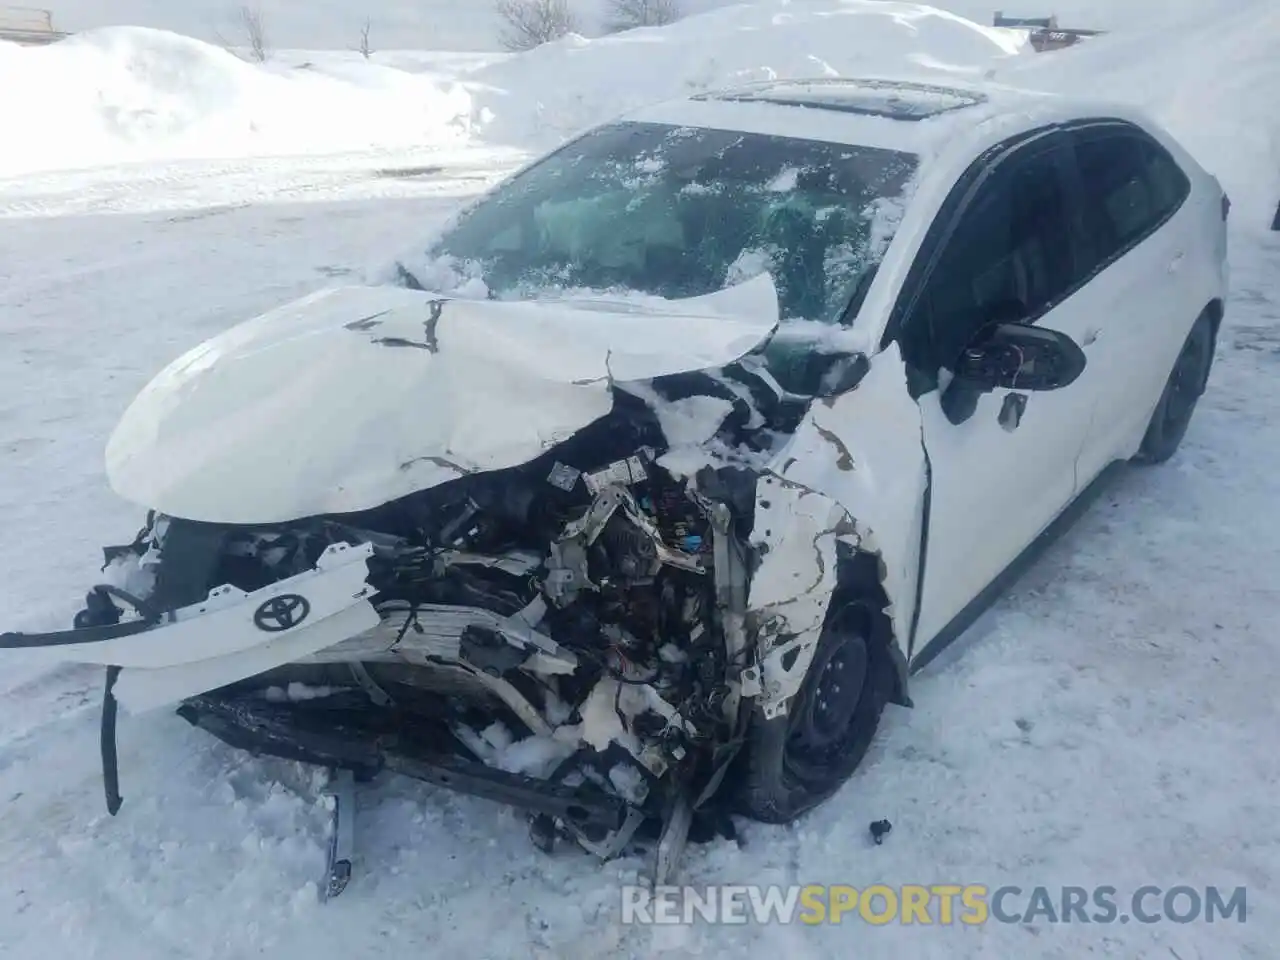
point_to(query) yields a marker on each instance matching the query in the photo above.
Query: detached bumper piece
(367, 743)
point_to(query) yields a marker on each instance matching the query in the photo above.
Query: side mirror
(1018, 356)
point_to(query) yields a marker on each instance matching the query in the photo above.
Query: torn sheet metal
(822, 489)
(798, 529)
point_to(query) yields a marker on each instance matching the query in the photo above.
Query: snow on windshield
(677, 212)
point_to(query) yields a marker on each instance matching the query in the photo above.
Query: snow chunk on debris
(629, 782)
(132, 574)
(535, 756)
(497, 736)
(692, 420)
(601, 723)
(296, 692)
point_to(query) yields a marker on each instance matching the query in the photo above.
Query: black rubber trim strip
(81, 635)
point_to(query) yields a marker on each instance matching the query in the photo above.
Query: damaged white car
(647, 486)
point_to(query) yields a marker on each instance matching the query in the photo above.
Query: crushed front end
(566, 636)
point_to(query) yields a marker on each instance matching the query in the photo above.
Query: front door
(1002, 464)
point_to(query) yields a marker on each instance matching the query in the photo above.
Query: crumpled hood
(355, 396)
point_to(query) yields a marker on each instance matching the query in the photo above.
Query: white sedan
(672, 457)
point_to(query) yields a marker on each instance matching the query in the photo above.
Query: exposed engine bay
(575, 624)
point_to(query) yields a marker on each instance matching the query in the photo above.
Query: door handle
(1090, 336)
(1011, 411)
(1176, 263)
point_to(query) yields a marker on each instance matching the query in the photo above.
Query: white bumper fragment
(233, 634)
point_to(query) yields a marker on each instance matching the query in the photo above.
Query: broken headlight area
(566, 636)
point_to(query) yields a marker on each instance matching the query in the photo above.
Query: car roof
(907, 114)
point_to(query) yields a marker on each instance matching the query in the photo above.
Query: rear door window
(1131, 186)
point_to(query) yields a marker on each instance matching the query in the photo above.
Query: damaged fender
(822, 491)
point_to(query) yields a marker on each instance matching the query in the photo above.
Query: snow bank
(315, 24)
(123, 94)
(1210, 73)
(472, 24)
(130, 93)
(542, 96)
(336, 24)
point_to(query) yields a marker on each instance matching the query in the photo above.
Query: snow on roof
(896, 114)
(907, 114)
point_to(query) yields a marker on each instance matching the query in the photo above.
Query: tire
(1182, 391)
(794, 762)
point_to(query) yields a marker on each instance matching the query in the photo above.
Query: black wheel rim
(1186, 384)
(823, 717)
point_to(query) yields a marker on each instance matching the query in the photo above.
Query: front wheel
(1181, 393)
(792, 763)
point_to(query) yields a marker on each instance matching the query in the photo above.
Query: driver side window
(1009, 259)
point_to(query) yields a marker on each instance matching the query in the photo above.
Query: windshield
(681, 212)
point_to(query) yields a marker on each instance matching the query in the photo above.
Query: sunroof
(873, 98)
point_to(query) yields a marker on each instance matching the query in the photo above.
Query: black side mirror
(1018, 356)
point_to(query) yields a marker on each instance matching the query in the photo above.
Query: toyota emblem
(281, 613)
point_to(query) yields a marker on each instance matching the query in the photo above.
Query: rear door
(1141, 291)
(1003, 464)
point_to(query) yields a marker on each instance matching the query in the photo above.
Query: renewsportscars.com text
(931, 904)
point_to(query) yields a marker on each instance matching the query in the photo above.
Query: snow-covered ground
(1108, 723)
